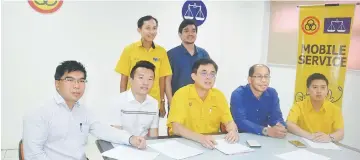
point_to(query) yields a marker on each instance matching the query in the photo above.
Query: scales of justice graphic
(199, 15)
(332, 27)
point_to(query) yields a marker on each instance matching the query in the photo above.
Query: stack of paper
(234, 148)
(322, 145)
(175, 150)
(127, 152)
(302, 154)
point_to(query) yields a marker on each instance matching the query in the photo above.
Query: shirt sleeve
(171, 61)
(35, 133)
(177, 110)
(338, 119)
(294, 114)
(238, 111)
(106, 132)
(275, 112)
(165, 68)
(206, 55)
(123, 64)
(226, 114)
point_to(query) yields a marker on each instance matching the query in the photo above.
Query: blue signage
(195, 10)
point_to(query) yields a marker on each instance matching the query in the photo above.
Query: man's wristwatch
(162, 100)
(130, 139)
(265, 131)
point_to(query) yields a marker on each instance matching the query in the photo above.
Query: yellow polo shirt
(197, 115)
(327, 120)
(136, 52)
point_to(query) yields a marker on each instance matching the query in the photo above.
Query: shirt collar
(60, 100)
(186, 51)
(311, 108)
(139, 44)
(193, 93)
(131, 98)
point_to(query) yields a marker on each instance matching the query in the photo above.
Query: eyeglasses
(209, 75)
(73, 80)
(257, 77)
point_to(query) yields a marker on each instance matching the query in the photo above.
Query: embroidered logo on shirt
(156, 59)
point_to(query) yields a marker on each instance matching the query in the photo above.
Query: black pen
(81, 127)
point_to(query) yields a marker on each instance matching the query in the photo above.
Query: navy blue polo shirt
(181, 63)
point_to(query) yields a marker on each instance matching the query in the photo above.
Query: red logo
(45, 6)
(310, 25)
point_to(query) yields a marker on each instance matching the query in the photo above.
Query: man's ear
(57, 84)
(139, 30)
(307, 91)
(193, 76)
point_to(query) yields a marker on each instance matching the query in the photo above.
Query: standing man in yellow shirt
(199, 108)
(316, 118)
(146, 50)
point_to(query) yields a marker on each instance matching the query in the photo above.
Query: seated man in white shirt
(59, 130)
(134, 110)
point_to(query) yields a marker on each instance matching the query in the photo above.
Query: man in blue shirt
(182, 58)
(255, 107)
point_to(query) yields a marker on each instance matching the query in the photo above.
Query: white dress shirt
(54, 132)
(135, 117)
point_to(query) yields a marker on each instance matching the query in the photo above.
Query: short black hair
(203, 61)
(142, 64)
(252, 68)
(316, 76)
(141, 21)
(67, 67)
(185, 23)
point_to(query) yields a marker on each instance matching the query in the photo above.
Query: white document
(329, 145)
(228, 148)
(175, 149)
(302, 154)
(125, 152)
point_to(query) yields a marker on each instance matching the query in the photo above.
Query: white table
(270, 148)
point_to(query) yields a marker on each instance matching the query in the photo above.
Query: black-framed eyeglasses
(209, 75)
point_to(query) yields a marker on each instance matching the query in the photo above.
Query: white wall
(95, 34)
(235, 34)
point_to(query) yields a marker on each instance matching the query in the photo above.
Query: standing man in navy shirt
(255, 107)
(182, 58)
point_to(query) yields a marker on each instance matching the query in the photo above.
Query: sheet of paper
(301, 154)
(234, 148)
(175, 149)
(322, 145)
(125, 152)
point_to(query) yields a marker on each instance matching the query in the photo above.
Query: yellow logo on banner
(45, 6)
(323, 47)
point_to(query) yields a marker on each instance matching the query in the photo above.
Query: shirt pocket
(145, 122)
(83, 133)
(214, 116)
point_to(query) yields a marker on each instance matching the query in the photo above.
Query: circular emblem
(194, 10)
(45, 6)
(310, 25)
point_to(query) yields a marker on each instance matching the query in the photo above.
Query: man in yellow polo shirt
(316, 118)
(147, 50)
(198, 109)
